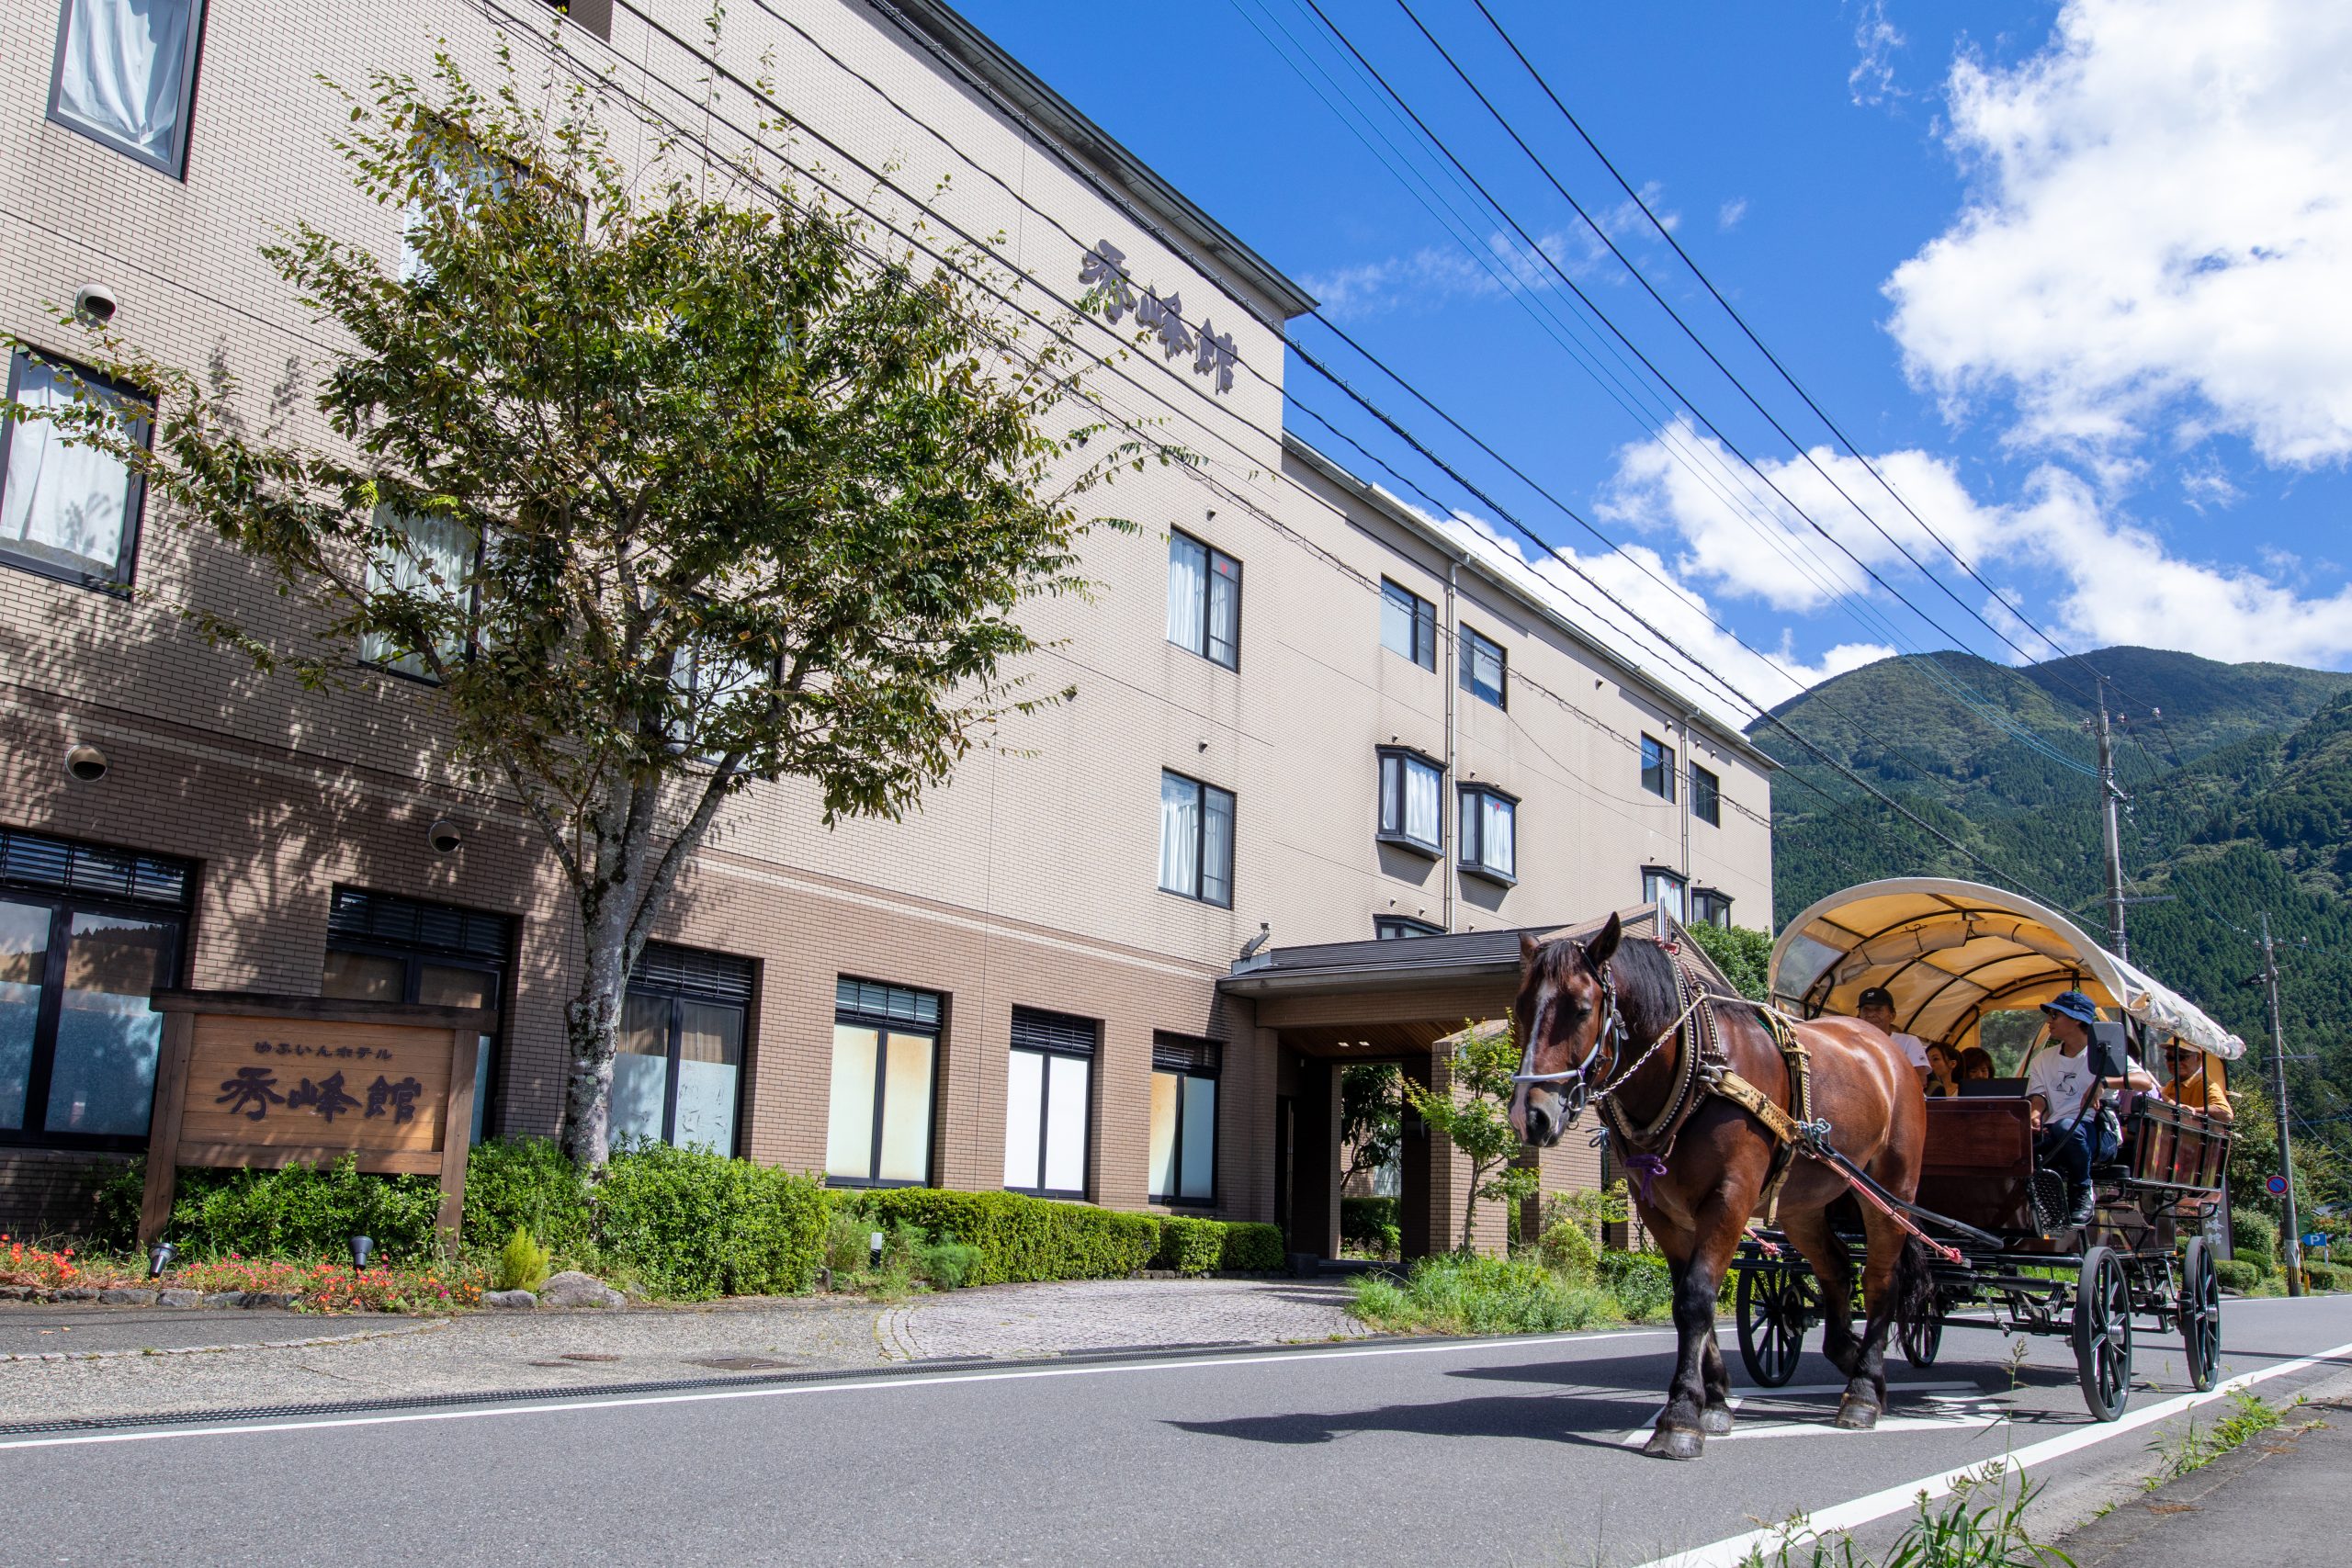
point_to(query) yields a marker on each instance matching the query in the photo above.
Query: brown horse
(1587, 1016)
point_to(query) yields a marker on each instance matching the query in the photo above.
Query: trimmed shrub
(521, 1263)
(1252, 1247)
(525, 1182)
(1367, 1220)
(303, 1213)
(1566, 1248)
(2328, 1276)
(1018, 1238)
(2255, 1237)
(1639, 1281)
(694, 1224)
(2236, 1274)
(1189, 1245)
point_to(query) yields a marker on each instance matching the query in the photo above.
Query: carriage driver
(1876, 1007)
(2071, 1136)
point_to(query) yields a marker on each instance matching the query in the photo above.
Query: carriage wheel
(1922, 1340)
(1776, 1304)
(2103, 1334)
(2200, 1314)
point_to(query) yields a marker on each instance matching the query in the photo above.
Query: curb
(390, 1331)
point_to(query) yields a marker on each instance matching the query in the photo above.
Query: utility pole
(2108, 797)
(2292, 1240)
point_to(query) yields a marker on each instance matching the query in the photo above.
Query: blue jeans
(2071, 1150)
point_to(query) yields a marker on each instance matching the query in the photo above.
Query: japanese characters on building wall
(1104, 271)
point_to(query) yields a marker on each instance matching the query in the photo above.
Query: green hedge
(694, 1224)
(1020, 1238)
(2255, 1239)
(2328, 1276)
(2236, 1273)
(1200, 1247)
(526, 1182)
(1254, 1248)
(1367, 1220)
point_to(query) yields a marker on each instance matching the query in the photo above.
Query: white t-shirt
(1914, 1050)
(2061, 1080)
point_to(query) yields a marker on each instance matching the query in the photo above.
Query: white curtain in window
(1179, 834)
(1495, 835)
(125, 62)
(1225, 612)
(849, 1124)
(1421, 802)
(1025, 1093)
(60, 502)
(1216, 847)
(439, 560)
(710, 1063)
(906, 1110)
(1188, 569)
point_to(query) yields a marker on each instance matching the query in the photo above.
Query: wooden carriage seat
(1978, 1166)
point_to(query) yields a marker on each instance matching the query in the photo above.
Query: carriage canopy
(1951, 952)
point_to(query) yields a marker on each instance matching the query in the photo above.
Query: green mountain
(2240, 801)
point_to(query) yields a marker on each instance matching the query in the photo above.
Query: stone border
(393, 1329)
(145, 1296)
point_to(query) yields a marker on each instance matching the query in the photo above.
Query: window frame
(176, 166)
(1423, 614)
(1706, 902)
(1478, 867)
(1198, 892)
(1407, 928)
(1655, 875)
(641, 983)
(63, 902)
(415, 955)
(885, 1026)
(1707, 798)
(1470, 643)
(1208, 1065)
(134, 501)
(1045, 1102)
(472, 644)
(1210, 556)
(1408, 758)
(1657, 767)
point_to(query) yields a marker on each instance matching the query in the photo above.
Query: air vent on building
(1035, 1031)
(407, 922)
(720, 976)
(887, 1004)
(1181, 1054)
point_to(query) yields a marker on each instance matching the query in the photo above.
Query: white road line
(1785, 1426)
(1734, 1550)
(878, 1385)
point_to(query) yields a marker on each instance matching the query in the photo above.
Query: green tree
(1742, 954)
(668, 478)
(1474, 1112)
(1372, 1118)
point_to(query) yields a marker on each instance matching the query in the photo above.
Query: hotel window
(1204, 600)
(1407, 625)
(886, 1048)
(1196, 839)
(1048, 1103)
(435, 559)
(1482, 668)
(1397, 928)
(1411, 788)
(384, 948)
(86, 936)
(1706, 796)
(1657, 767)
(1489, 832)
(1664, 889)
(678, 1075)
(126, 76)
(595, 15)
(67, 510)
(1183, 1120)
(1710, 907)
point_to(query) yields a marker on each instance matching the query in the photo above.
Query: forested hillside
(2240, 802)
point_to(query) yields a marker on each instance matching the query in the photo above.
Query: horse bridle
(1612, 1034)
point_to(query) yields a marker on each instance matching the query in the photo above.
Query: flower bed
(308, 1286)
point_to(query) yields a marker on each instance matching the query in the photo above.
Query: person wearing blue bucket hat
(2072, 1134)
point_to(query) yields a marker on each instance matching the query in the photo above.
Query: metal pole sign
(2276, 1186)
(263, 1081)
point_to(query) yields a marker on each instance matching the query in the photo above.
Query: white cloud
(1727, 215)
(1872, 81)
(2088, 573)
(2161, 231)
(2207, 484)
(1436, 274)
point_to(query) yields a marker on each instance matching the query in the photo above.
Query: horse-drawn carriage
(1953, 954)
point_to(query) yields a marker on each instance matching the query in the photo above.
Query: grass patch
(1458, 1293)
(2194, 1447)
(1982, 1525)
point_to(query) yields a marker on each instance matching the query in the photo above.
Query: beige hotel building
(1302, 709)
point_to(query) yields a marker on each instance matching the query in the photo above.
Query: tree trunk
(592, 1032)
(1470, 1208)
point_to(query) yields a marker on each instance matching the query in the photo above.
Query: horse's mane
(1644, 976)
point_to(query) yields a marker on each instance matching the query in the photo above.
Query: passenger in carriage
(1976, 1065)
(2196, 1083)
(2071, 1132)
(1876, 1007)
(1943, 1071)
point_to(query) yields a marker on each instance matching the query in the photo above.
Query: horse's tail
(1915, 1284)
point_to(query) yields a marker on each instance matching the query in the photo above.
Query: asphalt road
(1500, 1451)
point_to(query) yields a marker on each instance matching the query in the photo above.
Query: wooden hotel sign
(266, 1081)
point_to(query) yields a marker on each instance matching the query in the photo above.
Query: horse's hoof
(1716, 1420)
(1857, 1414)
(1675, 1442)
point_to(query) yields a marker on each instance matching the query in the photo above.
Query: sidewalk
(209, 1361)
(2277, 1498)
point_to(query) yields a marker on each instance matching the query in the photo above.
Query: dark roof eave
(1056, 116)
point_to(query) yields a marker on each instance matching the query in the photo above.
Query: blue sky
(2072, 277)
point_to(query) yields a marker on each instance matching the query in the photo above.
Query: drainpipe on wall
(1682, 793)
(1453, 678)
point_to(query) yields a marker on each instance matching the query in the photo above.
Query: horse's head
(1561, 1021)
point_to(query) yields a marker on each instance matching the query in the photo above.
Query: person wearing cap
(2196, 1083)
(2071, 1136)
(1876, 1007)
